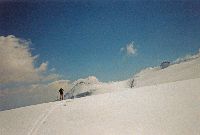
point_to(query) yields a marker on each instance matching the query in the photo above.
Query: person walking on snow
(61, 93)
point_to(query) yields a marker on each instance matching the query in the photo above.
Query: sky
(49, 44)
(83, 38)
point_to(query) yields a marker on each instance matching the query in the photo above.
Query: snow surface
(189, 69)
(164, 109)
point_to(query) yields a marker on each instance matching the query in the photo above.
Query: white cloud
(56, 85)
(52, 77)
(88, 80)
(122, 49)
(53, 69)
(130, 49)
(43, 67)
(27, 95)
(17, 62)
(24, 95)
(21, 80)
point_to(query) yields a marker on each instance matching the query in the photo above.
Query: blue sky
(84, 38)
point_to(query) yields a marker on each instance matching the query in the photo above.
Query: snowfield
(189, 69)
(164, 109)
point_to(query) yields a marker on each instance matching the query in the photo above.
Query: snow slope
(164, 109)
(183, 70)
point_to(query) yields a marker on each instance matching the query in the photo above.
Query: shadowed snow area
(165, 109)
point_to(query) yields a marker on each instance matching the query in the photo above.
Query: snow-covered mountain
(184, 70)
(178, 71)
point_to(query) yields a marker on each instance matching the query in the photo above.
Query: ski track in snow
(42, 119)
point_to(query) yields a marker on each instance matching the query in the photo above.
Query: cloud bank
(56, 85)
(21, 82)
(17, 62)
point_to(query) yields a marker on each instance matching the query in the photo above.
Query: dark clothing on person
(61, 93)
